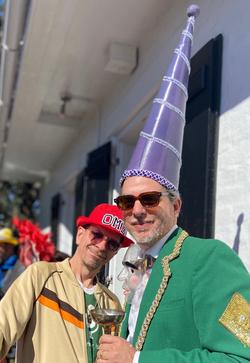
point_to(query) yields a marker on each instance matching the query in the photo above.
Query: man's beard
(150, 239)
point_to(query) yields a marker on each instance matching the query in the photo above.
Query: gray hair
(173, 195)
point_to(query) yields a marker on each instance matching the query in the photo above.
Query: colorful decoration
(34, 244)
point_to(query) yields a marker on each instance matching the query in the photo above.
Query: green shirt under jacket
(186, 326)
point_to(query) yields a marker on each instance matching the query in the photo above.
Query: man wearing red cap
(46, 310)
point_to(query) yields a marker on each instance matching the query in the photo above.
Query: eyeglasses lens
(127, 202)
(149, 199)
(113, 245)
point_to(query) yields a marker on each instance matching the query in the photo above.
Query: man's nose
(139, 209)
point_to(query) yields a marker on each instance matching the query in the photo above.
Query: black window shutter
(79, 196)
(55, 216)
(98, 177)
(199, 156)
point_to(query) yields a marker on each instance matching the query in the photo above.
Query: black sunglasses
(147, 199)
(113, 245)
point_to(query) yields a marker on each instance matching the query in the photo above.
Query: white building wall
(233, 180)
(127, 107)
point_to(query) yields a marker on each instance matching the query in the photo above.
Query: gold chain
(166, 274)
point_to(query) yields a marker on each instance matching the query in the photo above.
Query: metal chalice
(109, 319)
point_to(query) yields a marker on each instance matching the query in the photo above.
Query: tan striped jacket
(44, 311)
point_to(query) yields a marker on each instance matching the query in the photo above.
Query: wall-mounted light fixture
(122, 58)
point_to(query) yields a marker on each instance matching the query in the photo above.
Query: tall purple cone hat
(157, 154)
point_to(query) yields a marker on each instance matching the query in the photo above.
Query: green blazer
(186, 326)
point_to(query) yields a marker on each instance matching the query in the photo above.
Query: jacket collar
(155, 280)
(64, 266)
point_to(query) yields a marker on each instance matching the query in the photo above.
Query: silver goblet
(109, 319)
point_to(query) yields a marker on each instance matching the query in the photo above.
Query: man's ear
(177, 206)
(80, 229)
(80, 232)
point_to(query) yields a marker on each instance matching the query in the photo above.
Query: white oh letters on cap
(115, 222)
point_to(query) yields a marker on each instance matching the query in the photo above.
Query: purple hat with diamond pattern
(158, 151)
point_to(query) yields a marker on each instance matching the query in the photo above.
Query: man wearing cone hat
(47, 308)
(192, 304)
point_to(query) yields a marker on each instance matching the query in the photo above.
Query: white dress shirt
(136, 301)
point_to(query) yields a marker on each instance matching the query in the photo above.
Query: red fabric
(109, 217)
(34, 244)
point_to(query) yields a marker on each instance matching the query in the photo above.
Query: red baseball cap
(109, 217)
